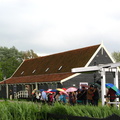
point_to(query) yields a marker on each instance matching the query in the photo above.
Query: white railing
(21, 94)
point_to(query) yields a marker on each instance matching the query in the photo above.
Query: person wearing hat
(90, 92)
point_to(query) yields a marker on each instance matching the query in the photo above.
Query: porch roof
(37, 78)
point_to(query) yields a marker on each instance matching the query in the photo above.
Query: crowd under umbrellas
(85, 95)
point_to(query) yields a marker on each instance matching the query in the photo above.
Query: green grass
(22, 110)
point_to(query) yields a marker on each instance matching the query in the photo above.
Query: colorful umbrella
(53, 90)
(34, 91)
(64, 92)
(71, 89)
(49, 89)
(59, 89)
(112, 86)
(118, 92)
(42, 90)
(64, 89)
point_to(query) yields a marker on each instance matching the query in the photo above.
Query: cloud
(52, 26)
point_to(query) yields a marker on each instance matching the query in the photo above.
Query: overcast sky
(52, 26)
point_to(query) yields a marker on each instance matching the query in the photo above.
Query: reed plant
(22, 110)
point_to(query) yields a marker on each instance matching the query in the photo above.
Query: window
(46, 69)
(33, 71)
(85, 84)
(60, 68)
(22, 72)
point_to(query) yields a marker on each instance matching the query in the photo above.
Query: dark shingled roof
(60, 64)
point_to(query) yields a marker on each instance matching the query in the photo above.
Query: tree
(116, 56)
(29, 54)
(11, 58)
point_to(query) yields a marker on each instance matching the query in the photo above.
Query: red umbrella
(64, 89)
(71, 89)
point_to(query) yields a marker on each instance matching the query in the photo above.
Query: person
(84, 95)
(50, 98)
(43, 97)
(63, 98)
(79, 99)
(38, 95)
(72, 98)
(112, 95)
(10, 94)
(90, 95)
(34, 95)
(95, 96)
(57, 97)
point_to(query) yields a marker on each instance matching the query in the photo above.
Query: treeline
(11, 58)
(116, 56)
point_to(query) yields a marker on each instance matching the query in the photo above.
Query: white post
(116, 81)
(103, 90)
(7, 91)
(36, 85)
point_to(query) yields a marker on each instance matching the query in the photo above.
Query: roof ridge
(63, 52)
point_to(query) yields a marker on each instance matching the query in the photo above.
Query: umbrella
(118, 92)
(34, 91)
(53, 90)
(37, 91)
(42, 90)
(64, 89)
(64, 92)
(49, 89)
(95, 84)
(71, 89)
(110, 85)
(59, 89)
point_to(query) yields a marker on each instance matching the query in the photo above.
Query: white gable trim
(70, 77)
(18, 68)
(91, 59)
(101, 46)
(93, 56)
(108, 53)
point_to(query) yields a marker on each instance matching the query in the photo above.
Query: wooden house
(54, 71)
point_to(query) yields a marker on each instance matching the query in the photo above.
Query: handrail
(21, 94)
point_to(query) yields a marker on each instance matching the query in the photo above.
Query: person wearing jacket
(84, 95)
(112, 95)
(95, 96)
(90, 92)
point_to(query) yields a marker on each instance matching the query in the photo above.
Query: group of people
(81, 96)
